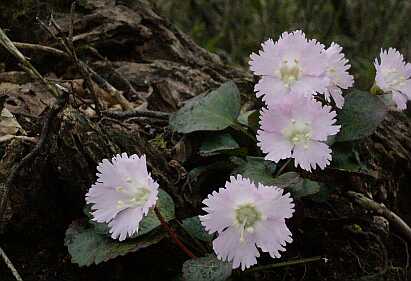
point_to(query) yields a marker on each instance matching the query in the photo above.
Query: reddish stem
(173, 234)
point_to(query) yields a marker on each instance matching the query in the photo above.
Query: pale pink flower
(297, 128)
(293, 65)
(246, 217)
(337, 72)
(123, 194)
(394, 76)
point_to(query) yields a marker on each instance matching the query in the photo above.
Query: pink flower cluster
(250, 217)
(293, 70)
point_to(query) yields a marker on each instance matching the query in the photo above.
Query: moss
(159, 142)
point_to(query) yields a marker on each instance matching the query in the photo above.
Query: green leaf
(88, 247)
(361, 115)
(201, 174)
(179, 277)
(296, 185)
(346, 158)
(194, 227)
(323, 194)
(100, 228)
(304, 188)
(256, 169)
(216, 144)
(249, 119)
(212, 112)
(207, 268)
(167, 209)
(287, 179)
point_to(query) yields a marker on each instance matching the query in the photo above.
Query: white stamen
(129, 180)
(120, 204)
(289, 73)
(298, 132)
(242, 230)
(250, 229)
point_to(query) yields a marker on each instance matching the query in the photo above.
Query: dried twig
(131, 88)
(85, 70)
(104, 84)
(287, 263)
(68, 45)
(40, 48)
(10, 137)
(137, 113)
(10, 265)
(383, 211)
(25, 64)
(120, 77)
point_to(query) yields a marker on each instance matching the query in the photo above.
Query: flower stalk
(287, 263)
(172, 233)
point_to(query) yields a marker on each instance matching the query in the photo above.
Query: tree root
(54, 110)
(10, 265)
(383, 211)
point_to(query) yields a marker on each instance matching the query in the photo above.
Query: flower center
(395, 78)
(289, 72)
(137, 195)
(298, 132)
(246, 216)
(332, 73)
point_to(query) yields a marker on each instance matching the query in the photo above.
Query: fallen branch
(40, 48)
(383, 211)
(137, 113)
(10, 265)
